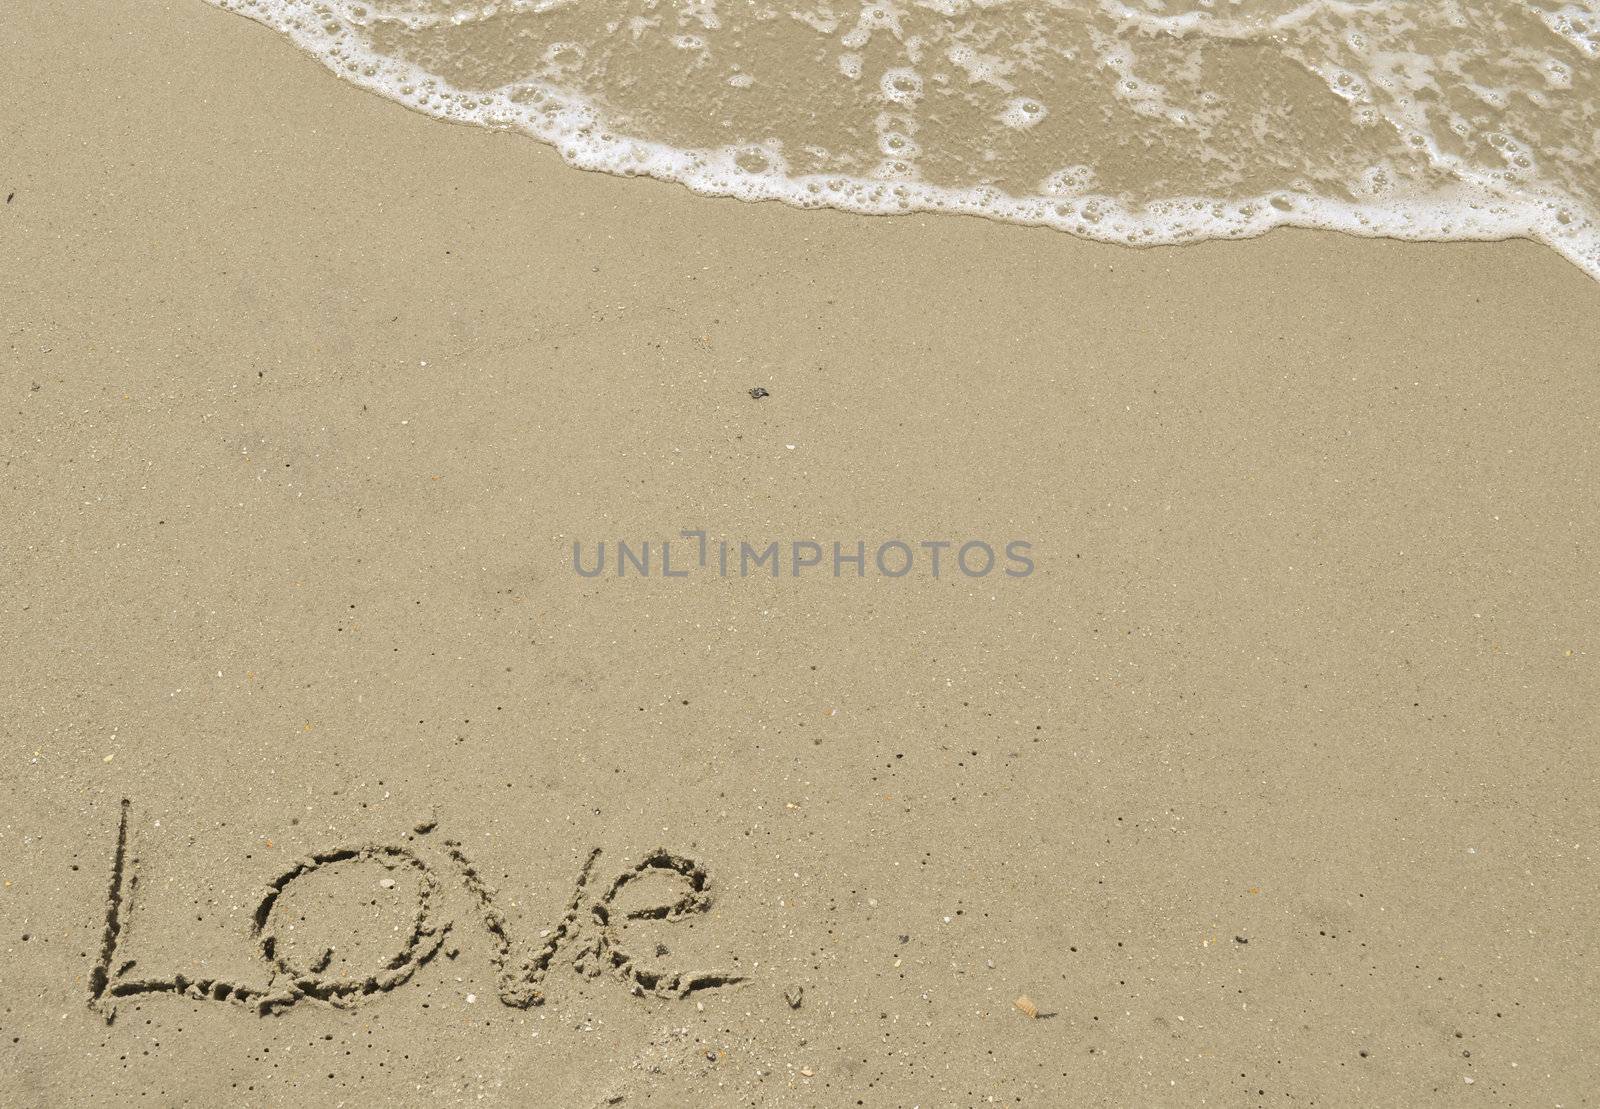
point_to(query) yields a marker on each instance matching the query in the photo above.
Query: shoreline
(1476, 204)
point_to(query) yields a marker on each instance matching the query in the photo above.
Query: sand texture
(324, 778)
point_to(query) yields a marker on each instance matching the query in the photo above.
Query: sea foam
(1131, 123)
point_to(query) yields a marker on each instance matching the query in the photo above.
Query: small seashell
(1026, 1007)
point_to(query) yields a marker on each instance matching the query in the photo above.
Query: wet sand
(1274, 783)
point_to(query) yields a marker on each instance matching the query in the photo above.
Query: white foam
(1023, 112)
(1525, 191)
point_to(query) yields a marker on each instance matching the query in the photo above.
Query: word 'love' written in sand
(660, 886)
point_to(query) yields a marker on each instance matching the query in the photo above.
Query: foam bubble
(901, 86)
(1022, 112)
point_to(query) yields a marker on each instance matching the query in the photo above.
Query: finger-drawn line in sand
(422, 941)
(116, 897)
(521, 975)
(519, 979)
(605, 947)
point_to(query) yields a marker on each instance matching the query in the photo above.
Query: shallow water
(1125, 122)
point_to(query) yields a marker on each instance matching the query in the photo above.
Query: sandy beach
(1274, 782)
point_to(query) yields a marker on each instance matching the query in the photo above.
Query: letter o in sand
(422, 938)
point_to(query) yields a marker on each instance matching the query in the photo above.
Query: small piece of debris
(386, 883)
(426, 826)
(1240, 939)
(1026, 1007)
(758, 392)
(794, 999)
(807, 1072)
